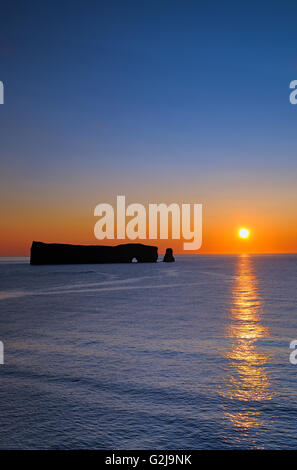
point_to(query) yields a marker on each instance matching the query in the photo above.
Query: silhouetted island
(56, 253)
(168, 257)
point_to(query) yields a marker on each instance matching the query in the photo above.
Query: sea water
(188, 355)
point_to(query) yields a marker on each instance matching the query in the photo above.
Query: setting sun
(244, 233)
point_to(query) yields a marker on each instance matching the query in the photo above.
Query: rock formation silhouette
(169, 258)
(56, 253)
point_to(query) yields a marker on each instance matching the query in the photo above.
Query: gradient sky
(161, 101)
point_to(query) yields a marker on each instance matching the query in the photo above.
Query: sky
(160, 101)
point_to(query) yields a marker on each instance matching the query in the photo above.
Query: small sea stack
(168, 258)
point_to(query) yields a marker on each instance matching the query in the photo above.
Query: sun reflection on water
(247, 380)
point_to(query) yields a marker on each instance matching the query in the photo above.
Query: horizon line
(196, 254)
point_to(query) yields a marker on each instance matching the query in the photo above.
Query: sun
(244, 233)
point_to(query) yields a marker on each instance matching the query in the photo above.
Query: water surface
(191, 355)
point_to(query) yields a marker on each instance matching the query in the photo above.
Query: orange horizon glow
(219, 236)
(67, 217)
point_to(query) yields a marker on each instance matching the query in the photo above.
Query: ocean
(188, 355)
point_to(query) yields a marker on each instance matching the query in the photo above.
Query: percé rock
(169, 258)
(56, 253)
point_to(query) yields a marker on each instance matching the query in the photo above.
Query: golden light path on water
(247, 380)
